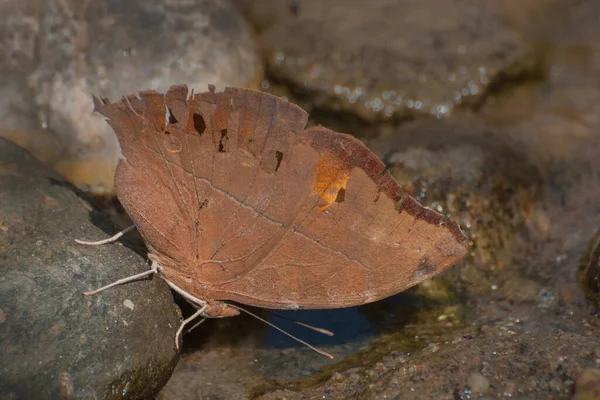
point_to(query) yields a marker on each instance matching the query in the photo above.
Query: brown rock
(587, 386)
(588, 273)
(392, 59)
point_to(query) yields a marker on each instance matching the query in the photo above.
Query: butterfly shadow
(99, 210)
(358, 326)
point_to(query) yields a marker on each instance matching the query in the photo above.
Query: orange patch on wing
(331, 177)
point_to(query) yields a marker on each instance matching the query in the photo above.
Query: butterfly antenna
(282, 331)
(314, 328)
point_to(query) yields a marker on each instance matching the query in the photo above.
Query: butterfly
(237, 201)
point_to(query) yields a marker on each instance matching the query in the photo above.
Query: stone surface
(508, 358)
(55, 54)
(384, 61)
(561, 113)
(518, 319)
(589, 271)
(587, 386)
(54, 342)
(473, 173)
(478, 383)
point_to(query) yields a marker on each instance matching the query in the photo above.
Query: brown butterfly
(237, 201)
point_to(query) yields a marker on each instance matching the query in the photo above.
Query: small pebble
(478, 383)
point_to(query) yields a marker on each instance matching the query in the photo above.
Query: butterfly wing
(237, 201)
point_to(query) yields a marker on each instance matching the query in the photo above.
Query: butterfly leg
(153, 270)
(193, 299)
(111, 239)
(186, 321)
(196, 325)
(200, 304)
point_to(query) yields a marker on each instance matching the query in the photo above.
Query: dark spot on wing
(203, 204)
(172, 119)
(223, 141)
(424, 269)
(199, 124)
(341, 195)
(279, 157)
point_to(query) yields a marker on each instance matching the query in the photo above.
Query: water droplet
(377, 104)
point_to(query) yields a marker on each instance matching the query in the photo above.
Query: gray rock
(54, 342)
(392, 58)
(54, 54)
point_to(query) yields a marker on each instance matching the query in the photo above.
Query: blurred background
(487, 111)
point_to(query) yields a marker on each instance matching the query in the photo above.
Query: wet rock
(393, 59)
(526, 161)
(479, 384)
(475, 174)
(54, 342)
(561, 113)
(587, 386)
(588, 273)
(231, 369)
(513, 366)
(55, 54)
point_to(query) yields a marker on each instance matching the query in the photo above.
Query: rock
(479, 384)
(526, 326)
(384, 61)
(561, 113)
(54, 342)
(443, 374)
(588, 273)
(587, 386)
(63, 51)
(476, 175)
